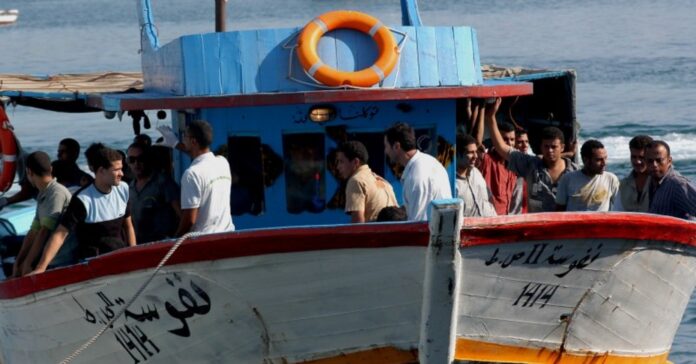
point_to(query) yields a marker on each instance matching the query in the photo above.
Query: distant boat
(8, 16)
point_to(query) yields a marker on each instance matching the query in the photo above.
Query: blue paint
(465, 53)
(410, 15)
(195, 80)
(230, 64)
(427, 57)
(446, 57)
(408, 66)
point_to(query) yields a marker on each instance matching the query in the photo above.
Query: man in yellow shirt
(366, 192)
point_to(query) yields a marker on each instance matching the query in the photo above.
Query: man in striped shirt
(671, 193)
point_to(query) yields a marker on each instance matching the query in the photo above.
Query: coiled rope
(164, 260)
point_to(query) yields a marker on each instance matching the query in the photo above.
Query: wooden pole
(441, 286)
(220, 15)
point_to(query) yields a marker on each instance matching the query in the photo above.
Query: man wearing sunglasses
(671, 193)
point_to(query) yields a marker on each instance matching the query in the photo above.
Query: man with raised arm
(591, 188)
(205, 185)
(634, 188)
(542, 174)
(366, 192)
(671, 193)
(424, 179)
(507, 191)
(98, 213)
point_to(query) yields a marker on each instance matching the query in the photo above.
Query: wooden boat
(296, 284)
(8, 16)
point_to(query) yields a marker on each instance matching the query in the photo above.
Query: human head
(552, 144)
(466, 151)
(68, 150)
(594, 157)
(106, 163)
(507, 131)
(199, 136)
(637, 147)
(391, 213)
(38, 166)
(349, 157)
(522, 140)
(399, 139)
(658, 158)
(137, 157)
(142, 139)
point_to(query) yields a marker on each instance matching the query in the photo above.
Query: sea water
(636, 62)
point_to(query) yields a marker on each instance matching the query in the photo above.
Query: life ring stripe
(312, 70)
(320, 23)
(375, 28)
(9, 158)
(378, 71)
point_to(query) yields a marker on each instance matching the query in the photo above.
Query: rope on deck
(164, 260)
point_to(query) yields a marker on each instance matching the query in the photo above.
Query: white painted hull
(333, 294)
(8, 16)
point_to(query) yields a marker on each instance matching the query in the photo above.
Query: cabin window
(246, 166)
(304, 172)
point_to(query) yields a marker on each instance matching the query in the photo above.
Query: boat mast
(220, 15)
(409, 13)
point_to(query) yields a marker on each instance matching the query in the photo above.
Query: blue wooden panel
(427, 57)
(327, 51)
(230, 63)
(194, 65)
(211, 54)
(446, 58)
(279, 59)
(391, 79)
(270, 70)
(464, 50)
(354, 50)
(477, 57)
(296, 71)
(249, 60)
(408, 65)
(163, 70)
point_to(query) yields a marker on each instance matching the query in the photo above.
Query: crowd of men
(79, 216)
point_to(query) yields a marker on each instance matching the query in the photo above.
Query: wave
(681, 144)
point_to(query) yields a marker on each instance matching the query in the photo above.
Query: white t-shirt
(472, 189)
(206, 185)
(424, 180)
(579, 192)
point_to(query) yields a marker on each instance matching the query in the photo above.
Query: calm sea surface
(636, 62)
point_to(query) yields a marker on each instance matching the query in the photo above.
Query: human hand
(169, 138)
(492, 106)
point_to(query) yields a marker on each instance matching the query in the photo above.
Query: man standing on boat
(205, 185)
(542, 174)
(154, 197)
(52, 200)
(366, 192)
(671, 193)
(424, 179)
(634, 188)
(589, 189)
(470, 185)
(98, 213)
(506, 187)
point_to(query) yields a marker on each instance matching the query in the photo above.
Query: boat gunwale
(476, 232)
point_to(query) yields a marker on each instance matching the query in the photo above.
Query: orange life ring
(314, 30)
(8, 148)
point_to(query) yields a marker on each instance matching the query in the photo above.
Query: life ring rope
(316, 70)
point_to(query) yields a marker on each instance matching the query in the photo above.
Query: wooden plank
(249, 59)
(270, 61)
(408, 67)
(464, 51)
(427, 57)
(477, 56)
(231, 67)
(194, 65)
(211, 54)
(395, 75)
(446, 57)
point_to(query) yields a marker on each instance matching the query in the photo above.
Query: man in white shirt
(589, 189)
(205, 185)
(424, 179)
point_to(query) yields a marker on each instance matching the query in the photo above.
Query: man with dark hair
(392, 213)
(589, 189)
(154, 197)
(522, 141)
(67, 169)
(671, 193)
(424, 179)
(52, 200)
(634, 188)
(470, 185)
(366, 192)
(542, 174)
(205, 185)
(506, 187)
(98, 213)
